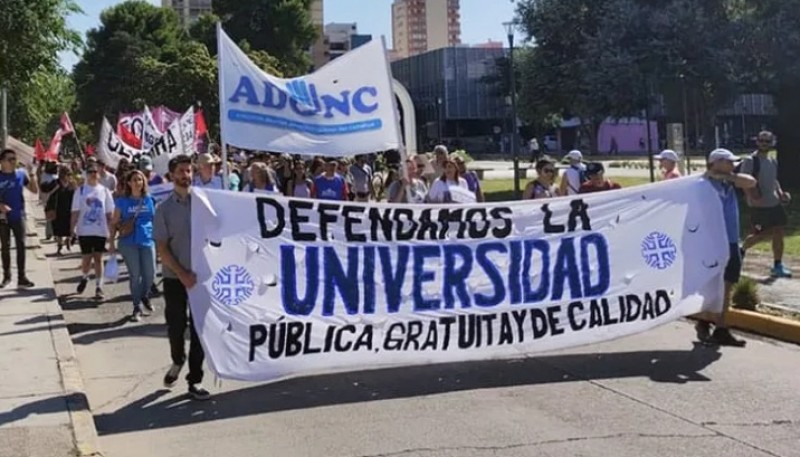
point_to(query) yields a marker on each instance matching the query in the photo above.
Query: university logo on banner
(345, 108)
(290, 287)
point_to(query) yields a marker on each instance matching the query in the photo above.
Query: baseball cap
(574, 155)
(722, 154)
(667, 154)
(145, 163)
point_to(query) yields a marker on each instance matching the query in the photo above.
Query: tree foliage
(281, 28)
(32, 33)
(607, 58)
(107, 78)
(141, 56)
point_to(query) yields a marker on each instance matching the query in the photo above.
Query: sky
(481, 20)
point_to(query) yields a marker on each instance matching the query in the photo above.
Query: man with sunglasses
(766, 200)
(12, 215)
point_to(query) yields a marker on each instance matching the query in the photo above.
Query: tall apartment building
(425, 25)
(319, 50)
(188, 10)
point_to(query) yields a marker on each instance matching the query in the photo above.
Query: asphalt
(655, 394)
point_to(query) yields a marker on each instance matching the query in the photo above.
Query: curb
(83, 428)
(771, 326)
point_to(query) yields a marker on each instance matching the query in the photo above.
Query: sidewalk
(782, 292)
(43, 407)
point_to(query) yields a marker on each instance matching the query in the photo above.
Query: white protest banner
(173, 142)
(291, 287)
(150, 132)
(345, 108)
(188, 132)
(133, 122)
(111, 149)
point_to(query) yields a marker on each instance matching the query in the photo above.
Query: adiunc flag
(345, 108)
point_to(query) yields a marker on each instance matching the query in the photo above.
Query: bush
(745, 294)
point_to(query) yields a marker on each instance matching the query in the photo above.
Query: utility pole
(514, 127)
(3, 116)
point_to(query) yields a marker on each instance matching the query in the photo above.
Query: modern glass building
(454, 103)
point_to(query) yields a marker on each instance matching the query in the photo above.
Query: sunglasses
(549, 170)
(91, 172)
(764, 141)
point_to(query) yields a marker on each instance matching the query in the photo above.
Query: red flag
(66, 125)
(129, 138)
(55, 146)
(200, 124)
(39, 153)
(89, 150)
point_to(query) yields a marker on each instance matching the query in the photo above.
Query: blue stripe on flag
(248, 117)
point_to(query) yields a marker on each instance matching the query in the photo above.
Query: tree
(107, 78)
(768, 46)
(604, 58)
(281, 28)
(32, 33)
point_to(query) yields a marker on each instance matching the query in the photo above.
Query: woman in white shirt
(450, 187)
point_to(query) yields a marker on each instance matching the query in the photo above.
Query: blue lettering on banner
(304, 100)
(581, 269)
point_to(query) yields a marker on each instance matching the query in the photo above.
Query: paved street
(656, 394)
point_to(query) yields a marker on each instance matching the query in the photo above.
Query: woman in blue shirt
(134, 215)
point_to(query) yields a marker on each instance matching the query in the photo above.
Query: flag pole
(395, 111)
(77, 140)
(221, 109)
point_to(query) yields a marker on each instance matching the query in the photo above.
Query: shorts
(92, 244)
(766, 218)
(733, 271)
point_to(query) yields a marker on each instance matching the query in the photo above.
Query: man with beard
(172, 231)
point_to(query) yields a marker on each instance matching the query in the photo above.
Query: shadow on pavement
(117, 329)
(50, 405)
(153, 412)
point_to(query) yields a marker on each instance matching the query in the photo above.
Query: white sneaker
(172, 376)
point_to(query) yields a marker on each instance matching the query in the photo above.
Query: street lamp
(510, 26)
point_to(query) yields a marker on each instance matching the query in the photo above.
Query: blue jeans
(141, 263)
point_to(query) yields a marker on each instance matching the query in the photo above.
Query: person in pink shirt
(669, 164)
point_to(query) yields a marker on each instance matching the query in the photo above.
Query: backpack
(755, 171)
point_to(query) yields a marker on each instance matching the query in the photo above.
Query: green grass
(498, 190)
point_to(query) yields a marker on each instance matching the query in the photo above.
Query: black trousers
(178, 317)
(18, 229)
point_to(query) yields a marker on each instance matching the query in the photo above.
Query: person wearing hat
(722, 177)
(575, 175)
(146, 167)
(669, 164)
(595, 173)
(206, 176)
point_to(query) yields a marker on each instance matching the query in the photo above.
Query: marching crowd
(113, 211)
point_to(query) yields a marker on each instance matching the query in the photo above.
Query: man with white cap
(722, 177)
(669, 164)
(575, 175)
